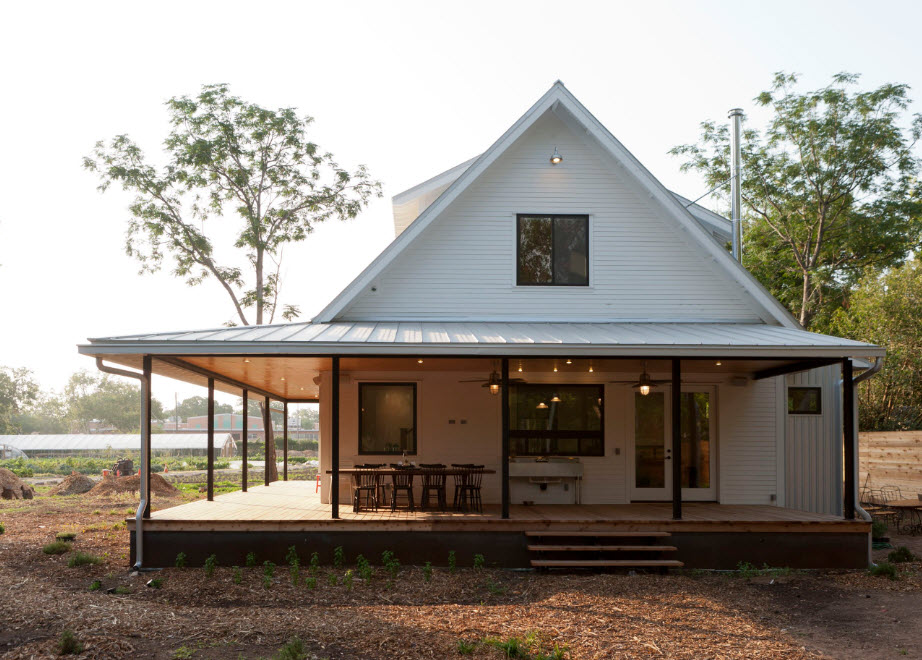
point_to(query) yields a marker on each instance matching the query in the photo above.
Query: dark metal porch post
(334, 444)
(505, 443)
(848, 423)
(267, 425)
(146, 383)
(677, 439)
(245, 432)
(285, 443)
(210, 439)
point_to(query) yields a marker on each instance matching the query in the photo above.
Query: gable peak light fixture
(556, 158)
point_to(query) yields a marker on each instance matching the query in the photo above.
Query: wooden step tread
(591, 563)
(601, 534)
(602, 548)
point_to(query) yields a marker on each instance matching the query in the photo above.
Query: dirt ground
(192, 615)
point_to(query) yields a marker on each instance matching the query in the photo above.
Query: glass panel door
(698, 432)
(651, 477)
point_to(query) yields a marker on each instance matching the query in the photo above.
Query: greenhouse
(104, 444)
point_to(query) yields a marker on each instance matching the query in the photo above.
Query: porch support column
(267, 424)
(147, 368)
(505, 443)
(848, 424)
(210, 449)
(677, 439)
(244, 433)
(285, 443)
(334, 441)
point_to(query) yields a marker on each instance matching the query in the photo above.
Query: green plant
(427, 571)
(293, 650)
(465, 647)
(294, 565)
(251, 559)
(2, 528)
(339, 557)
(878, 529)
(238, 575)
(452, 561)
(68, 644)
(210, 564)
(268, 573)
(315, 563)
(95, 585)
(366, 572)
(155, 583)
(57, 548)
(510, 648)
(183, 653)
(884, 569)
(310, 583)
(347, 580)
(900, 555)
(478, 561)
(332, 580)
(66, 536)
(181, 560)
(122, 590)
(495, 588)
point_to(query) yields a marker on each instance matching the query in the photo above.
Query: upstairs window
(552, 250)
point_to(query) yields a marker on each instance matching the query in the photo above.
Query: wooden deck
(294, 507)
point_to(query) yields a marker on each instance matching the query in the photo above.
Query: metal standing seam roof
(94, 441)
(484, 338)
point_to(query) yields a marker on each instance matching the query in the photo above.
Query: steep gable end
(649, 259)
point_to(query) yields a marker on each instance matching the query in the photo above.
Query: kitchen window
(552, 250)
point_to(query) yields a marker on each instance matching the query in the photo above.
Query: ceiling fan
(494, 381)
(644, 384)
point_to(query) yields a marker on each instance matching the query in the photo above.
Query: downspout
(865, 375)
(142, 506)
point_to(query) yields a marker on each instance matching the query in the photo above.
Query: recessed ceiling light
(718, 363)
(555, 370)
(283, 377)
(246, 359)
(569, 361)
(419, 361)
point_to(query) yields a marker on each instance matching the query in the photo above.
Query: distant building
(228, 423)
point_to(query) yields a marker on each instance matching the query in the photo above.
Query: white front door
(650, 457)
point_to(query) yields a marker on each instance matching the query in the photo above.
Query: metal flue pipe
(736, 117)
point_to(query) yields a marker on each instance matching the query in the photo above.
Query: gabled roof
(559, 96)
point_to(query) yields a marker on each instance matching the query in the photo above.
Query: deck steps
(602, 549)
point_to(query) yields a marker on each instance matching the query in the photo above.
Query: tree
(885, 309)
(309, 416)
(46, 414)
(17, 392)
(230, 159)
(828, 190)
(196, 406)
(106, 400)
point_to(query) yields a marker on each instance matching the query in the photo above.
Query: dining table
(910, 518)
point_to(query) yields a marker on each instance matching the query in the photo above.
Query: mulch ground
(802, 615)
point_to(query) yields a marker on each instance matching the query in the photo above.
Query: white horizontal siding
(463, 265)
(748, 443)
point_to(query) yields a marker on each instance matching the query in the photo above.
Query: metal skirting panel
(703, 550)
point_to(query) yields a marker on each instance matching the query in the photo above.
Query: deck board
(294, 506)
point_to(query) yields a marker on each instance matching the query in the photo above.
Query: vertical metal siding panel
(463, 265)
(748, 441)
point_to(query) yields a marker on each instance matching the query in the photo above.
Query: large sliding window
(556, 420)
(387, 418)
(553, 250)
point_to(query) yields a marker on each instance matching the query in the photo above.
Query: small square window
(805, 401)
(552, 250)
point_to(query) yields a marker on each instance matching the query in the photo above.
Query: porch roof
(491, 339)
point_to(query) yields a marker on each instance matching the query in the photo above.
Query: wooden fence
(892, 458)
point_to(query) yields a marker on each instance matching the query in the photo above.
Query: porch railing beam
(267, 427)
(246, 431)
(505, 441)
(334, 445)
(210, 449)
(285, 442)
(848, 444)
(677, 439)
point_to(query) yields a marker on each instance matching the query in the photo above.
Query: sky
(407, 88)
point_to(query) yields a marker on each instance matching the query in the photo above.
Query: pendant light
(644, 384)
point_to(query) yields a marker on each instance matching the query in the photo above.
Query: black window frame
(414, 385)
(518, 248)
(555, 435)
(819, 400)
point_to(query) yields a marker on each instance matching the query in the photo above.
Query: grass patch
(66, 536)
(68, 644)
(746, 570)
(122, 590)
(183, 653)
(901, 555)
(293, 650)
(465, 647)
(155, 583)
(530, 647)
(95, 585)
(83, 559)
(57, 548)
(885, 569)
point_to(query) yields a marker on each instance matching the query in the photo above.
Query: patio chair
(382, 490)
(433, 481)
(364, 482)
(402, 481)
(471, 489)
(459, 481)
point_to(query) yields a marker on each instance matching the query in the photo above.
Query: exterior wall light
(556, 157)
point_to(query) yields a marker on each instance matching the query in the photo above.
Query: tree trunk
(804, 316)
(272, 469)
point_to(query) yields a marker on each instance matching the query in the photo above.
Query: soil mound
(75, 484)
(14, 488)
(132, 484)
